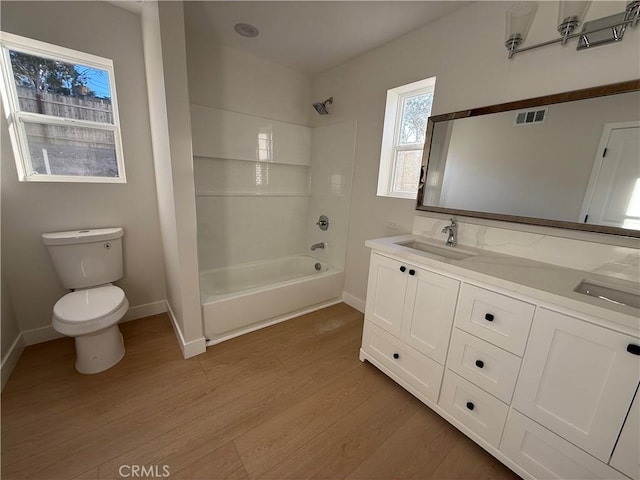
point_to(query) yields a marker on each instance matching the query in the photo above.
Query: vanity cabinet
(626, 456)
(549, 394)
(578, 380)
(413, 304)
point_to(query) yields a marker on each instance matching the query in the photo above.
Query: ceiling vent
(528, 117)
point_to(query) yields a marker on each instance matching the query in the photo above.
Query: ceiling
(309, 36)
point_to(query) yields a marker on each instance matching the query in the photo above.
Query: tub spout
(318, 245)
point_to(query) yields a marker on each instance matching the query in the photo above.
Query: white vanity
(541, 376)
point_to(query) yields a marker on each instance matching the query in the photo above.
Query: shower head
(321, 107)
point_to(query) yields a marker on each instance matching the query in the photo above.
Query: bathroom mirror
(570, 160)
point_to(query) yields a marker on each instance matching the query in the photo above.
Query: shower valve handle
(323, 222)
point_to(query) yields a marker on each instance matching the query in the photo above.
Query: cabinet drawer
(487, 366)
(475, 408)
(501, 320)
(546, 455)
(419, 371)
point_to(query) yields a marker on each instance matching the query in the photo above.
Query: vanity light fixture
(570, 14)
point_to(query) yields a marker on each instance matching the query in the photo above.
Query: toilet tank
(86, 258)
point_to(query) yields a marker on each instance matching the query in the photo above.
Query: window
(62, 113)
(405, 123)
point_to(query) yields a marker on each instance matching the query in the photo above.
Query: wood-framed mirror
(569, 160)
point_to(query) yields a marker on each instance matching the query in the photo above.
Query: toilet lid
(88, 304)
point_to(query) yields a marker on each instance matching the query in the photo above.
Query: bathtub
(242, 298)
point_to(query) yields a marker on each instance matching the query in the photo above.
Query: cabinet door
(626, 456)
(386, 293)
(578, 380)
(428, 313)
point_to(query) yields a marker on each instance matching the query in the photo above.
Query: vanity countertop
(542, 281)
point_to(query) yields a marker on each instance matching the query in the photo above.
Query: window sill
(404, 196)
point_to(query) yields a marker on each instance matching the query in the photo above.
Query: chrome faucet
(318, 245)
(452, 230)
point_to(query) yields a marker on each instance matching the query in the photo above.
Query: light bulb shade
(572, 10)
(519, 19)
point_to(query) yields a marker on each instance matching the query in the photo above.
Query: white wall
(466, 52)
(165, 62)
(29, 209)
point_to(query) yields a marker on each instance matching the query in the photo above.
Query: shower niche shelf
(223, 177)
(219, 133)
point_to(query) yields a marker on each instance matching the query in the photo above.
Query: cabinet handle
(479, 363)
(396, 355)
(403, 268)
(412, 272)
(489, 317)
(470, 405)
(633, 348)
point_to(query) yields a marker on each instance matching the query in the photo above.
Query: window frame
(391, 135)
(16, 118)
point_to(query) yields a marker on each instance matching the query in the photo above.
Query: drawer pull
(396, 355)
(470, 405)
(633, 348)
(479, 364)
(489, 317)
(412, 272)
(403, 269)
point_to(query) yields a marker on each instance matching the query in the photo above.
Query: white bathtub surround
(261, 185)
(332, 153)
(252, 187)
(219, 177)
(598, 258)
(243, 298)
(237, 136)
(243, 229)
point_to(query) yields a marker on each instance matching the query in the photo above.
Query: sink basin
(608, 293)
(453, 253)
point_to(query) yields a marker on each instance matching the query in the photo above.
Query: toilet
(87, 261)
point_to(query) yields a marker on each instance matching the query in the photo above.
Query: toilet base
(99, 351)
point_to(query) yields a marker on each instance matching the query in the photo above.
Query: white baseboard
(191, 348)
(146, 310)
(40, 335)
(353, 301)
(44, 334)
(11, 359)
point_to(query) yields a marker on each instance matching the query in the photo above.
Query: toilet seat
(89, 310)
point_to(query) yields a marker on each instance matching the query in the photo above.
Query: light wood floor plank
(222, 463)
(265, 446)
(432, 439)
(342, 447)
(230, 415)
(288, 401)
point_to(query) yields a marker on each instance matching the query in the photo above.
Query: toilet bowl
(91, 316)
(87, 261)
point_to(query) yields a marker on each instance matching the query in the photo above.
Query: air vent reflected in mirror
(528, 117)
